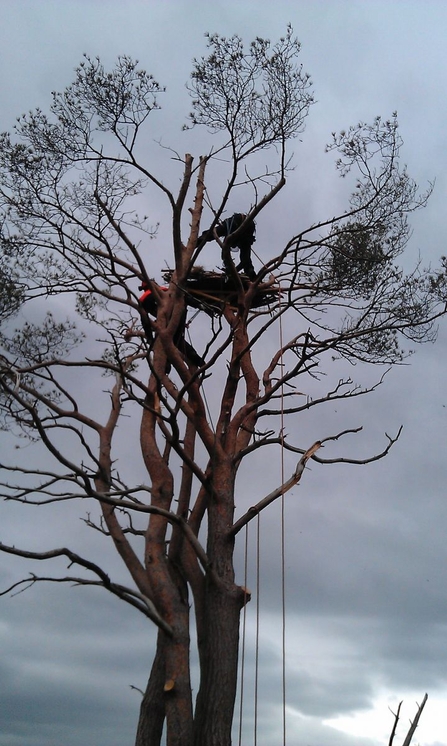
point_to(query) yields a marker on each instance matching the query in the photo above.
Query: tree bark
(218, 663)
(177, 684)
(170, 592)
(168, 693)
(223, 600)
(152, 710)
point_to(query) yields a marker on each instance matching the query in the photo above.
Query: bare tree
(70, 185)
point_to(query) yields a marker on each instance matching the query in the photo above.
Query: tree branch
(126, 594)
(294, 479)
(415, 722)
(396, 720)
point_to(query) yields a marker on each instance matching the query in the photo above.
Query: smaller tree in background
(70, 186)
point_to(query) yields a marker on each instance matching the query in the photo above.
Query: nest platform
(213, 291)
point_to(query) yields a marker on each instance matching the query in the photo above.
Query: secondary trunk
(152, 710)
(168, 693)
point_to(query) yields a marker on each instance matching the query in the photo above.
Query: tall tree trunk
(218, 664)
(223, 600)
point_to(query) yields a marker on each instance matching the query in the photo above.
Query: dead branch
(396, 720)
(139, 600)
(415, 722)
(361, 462)
(294, 479)
(266, 441)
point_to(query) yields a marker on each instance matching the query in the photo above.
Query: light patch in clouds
(377, 721)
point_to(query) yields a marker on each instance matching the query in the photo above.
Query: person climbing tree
(147, 298)
(148, 301)
(243, 241)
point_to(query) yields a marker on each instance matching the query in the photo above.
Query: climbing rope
(283, 523)
(258, 616)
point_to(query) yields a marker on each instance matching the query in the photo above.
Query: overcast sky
(366, 552)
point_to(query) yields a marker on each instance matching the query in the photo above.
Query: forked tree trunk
(216, 697)
(218, 615)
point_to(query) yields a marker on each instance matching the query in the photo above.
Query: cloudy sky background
(365, 546)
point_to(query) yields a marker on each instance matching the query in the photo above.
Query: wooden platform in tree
(212, 291)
